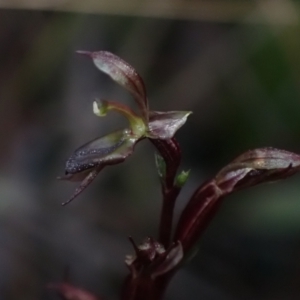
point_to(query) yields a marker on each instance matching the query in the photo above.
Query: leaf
(122, 73)
(163, 125)
(257, 166)
(251, 168)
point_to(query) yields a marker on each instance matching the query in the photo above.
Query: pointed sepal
(163, 125)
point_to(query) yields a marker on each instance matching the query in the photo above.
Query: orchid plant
(156, 260)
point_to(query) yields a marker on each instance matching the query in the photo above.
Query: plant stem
(166, 218)
(140, 286)
(171, 152)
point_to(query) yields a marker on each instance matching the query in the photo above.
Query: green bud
(100, 107)
(182, 178)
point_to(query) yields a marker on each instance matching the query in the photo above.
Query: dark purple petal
(91, 158)
(163, 125)
(109, 149)
(69, 292)
(124, 74)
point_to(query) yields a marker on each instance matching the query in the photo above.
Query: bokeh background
(235, 64)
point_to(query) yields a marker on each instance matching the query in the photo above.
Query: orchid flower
(155, 261)
(88, 160)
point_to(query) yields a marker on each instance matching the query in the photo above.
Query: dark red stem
(171, 153)
(166, 217)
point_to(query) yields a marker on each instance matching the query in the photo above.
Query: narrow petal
(163, 125)
(124, 74)
(84, 184)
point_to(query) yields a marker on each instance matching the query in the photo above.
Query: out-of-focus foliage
(241, 80)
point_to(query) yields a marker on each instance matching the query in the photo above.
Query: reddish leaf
(251, 168)
(257, 166)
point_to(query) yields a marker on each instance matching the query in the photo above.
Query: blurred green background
(237, 67)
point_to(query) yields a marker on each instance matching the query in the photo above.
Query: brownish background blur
(235, 64)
